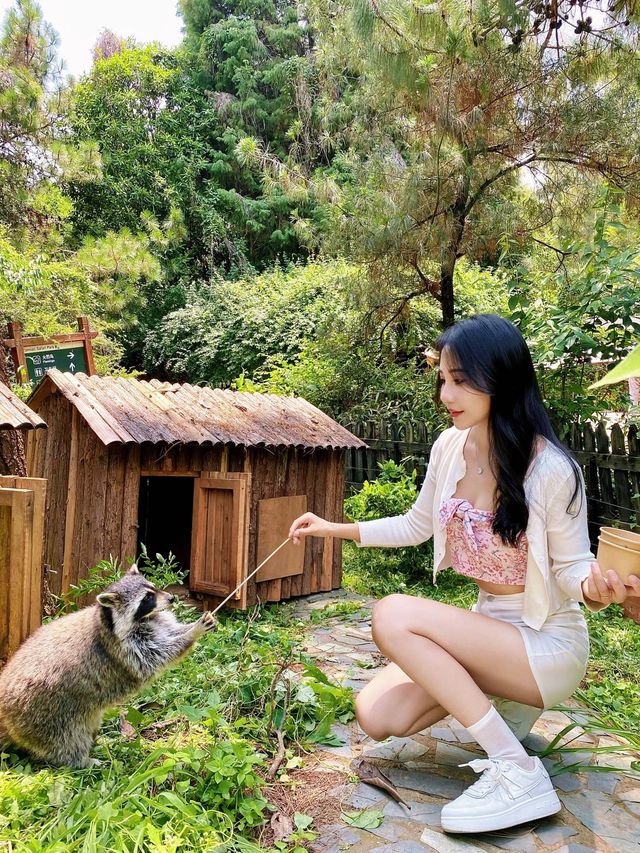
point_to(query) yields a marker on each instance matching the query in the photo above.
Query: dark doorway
(165, 511)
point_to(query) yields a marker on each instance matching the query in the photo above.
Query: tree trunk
(448, 265)
(13, 459)
(446, 294)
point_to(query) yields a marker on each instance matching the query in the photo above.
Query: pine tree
(437, 110)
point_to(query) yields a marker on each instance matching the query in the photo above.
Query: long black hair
(494, 358)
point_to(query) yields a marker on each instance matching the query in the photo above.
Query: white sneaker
(503, 796)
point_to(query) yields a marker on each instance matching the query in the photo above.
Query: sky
(79, 22)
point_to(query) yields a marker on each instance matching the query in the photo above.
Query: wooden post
(17, 352)
(83, 326)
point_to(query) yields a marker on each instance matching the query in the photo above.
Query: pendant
(479, 470)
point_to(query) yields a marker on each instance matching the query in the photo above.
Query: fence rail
(400, 441)
(610, 461)
(611, 465)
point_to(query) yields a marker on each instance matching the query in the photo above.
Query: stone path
(601, 810)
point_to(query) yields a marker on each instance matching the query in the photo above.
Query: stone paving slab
(601, 810)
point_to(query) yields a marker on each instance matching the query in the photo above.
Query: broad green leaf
(628, 368)
(368, 819)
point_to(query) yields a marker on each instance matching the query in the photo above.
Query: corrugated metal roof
(126, 410)
(14, 413)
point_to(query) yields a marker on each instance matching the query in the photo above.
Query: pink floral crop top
(476, 551)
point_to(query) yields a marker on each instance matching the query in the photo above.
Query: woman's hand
(309, 525)
(608, 588)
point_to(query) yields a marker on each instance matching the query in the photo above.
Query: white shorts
(557, 653)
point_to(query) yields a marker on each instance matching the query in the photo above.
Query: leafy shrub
(393, 493)
(230, 328)
(162, 572)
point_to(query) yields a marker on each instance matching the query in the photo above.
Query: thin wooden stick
(248, 578)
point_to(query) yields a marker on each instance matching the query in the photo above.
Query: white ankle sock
(498, 741)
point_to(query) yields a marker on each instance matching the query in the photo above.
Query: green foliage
(393, 493)
(27, 53)
(367, 819)
(231, 328)
(628, 368)
(429, 142)
(47, 296)
(162, 572)
(588, 307)
(343, 610)
(611, 684)
(168, 122)
(192, 777)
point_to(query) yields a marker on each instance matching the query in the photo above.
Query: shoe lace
(491, 773)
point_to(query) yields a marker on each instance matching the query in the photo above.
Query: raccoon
(55, 689)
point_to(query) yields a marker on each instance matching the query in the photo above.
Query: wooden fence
(22, 503)
(401, 441)
(610, 460)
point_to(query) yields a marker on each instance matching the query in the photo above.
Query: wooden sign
(33, 356)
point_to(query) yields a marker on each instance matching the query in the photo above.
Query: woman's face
(466, 406)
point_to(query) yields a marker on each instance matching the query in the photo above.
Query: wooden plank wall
(17, 585)
(48, 457)
(92, 498)
(33, 577)
(319, 475)
(405, 443)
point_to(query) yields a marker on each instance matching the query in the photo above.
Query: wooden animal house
(214, 476)
(22, 501)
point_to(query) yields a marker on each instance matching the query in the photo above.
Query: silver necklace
(479, 468)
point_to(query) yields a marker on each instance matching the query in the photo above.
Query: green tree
(438, 111)
(168, 123)
(27, 123)
(584, 309)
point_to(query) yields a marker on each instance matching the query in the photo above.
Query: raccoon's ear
(133, 570)
(108, 599)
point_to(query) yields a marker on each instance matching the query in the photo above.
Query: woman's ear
(108, 599)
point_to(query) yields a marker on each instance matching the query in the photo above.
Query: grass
(184, 764)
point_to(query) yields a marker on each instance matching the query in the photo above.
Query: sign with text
(68, 359)
(33, 355)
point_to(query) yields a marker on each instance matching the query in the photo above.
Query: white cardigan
(559, 549)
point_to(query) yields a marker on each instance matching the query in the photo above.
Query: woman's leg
(392, 704)
(455, 657)
(452, 657)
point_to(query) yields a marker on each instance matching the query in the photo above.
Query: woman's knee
(369, 721)
(386, 618)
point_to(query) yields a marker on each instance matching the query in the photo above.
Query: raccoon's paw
(208, 621)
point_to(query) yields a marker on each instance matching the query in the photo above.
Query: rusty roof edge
(15, 413)
(73, 391)
(280, 415)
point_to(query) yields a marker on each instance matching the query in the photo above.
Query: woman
(505, 503)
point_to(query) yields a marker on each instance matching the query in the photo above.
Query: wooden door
(22, 504)
(220, 536)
